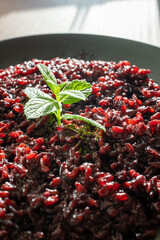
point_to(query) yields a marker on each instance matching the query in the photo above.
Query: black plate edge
(85, 46)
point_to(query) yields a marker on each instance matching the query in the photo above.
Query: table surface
(133, 19)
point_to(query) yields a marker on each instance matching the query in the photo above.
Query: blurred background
(132, 19)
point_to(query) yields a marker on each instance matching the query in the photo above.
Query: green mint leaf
(46, 73)
(71, 96)
(49, 78)
(61, 85)
(32, 92)
(80, 85)
(37, 107)
(88, 120)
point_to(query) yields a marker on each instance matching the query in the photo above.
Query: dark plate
(83, 46)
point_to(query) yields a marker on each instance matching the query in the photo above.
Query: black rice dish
(73, 181)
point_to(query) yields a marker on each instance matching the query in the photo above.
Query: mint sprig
(41, 104)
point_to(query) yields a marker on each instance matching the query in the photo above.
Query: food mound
(75, 181)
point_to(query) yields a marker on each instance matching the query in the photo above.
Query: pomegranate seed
(117, 129)
(55, 182)
(154, 123)
(121, 196)
(31, 156)
(5, 171)
(4, 194)
(8, 186)
(155, 116)
(51, 200)
(18, 108)
(79, 187)
(2, 135)
(133, 173)
(14, 134)
(40, 140)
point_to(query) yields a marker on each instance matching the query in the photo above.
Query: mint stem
(58, 117)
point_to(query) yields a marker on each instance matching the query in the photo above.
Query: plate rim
(77, 34)
(84, 46)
